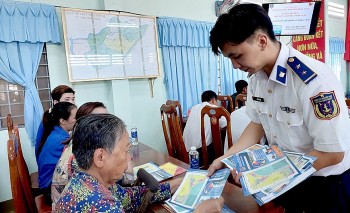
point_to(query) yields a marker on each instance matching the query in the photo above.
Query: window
(12, 95)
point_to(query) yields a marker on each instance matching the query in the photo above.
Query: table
(232, 194)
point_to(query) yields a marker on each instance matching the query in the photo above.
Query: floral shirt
(64, 170)
(86, 194)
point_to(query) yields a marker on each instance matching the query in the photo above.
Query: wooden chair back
(240, 98)
(21, 181)
(178, 108)
(20, 184)
(172, 133)
(226, 102)
(215, 113)
(9, 125)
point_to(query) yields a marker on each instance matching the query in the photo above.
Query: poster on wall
(103, 45)
(312, 45)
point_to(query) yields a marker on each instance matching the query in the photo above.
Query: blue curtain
(190, 67)
(24, 28)
(229, 76)
(336, 52)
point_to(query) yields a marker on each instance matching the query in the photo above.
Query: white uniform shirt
(287, 112)
(239, 121)
(192, 131)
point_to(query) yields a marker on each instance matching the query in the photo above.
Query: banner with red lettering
(312, 45)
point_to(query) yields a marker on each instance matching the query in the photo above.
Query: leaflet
(161, 172)
(190, 189)
(253, 158)
(271, 193)
(180, 209)
(267, 172)
(303, 163)
(268, 175)
(183, 198)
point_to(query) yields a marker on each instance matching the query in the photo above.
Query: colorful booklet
(179, 209)
(161, 172)
(197, 187)
(268, 172)
(253, 157)
(303, 163)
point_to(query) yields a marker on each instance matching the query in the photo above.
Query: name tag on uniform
(258, 99)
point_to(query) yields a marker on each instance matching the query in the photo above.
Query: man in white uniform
(192, 131)
(296, 101)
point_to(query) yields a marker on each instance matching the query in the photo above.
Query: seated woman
(57, 122)
(67, 165)
(101, 148)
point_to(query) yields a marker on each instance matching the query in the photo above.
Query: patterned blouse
(64, 170)
(84, 193)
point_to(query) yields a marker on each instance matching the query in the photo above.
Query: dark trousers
(211, 154)
(318, 194)
(47, 194)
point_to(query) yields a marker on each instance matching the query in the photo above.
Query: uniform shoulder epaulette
(301, 70)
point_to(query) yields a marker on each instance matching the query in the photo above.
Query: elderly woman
(101, 148)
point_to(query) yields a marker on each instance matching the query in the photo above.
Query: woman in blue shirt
(58, 122)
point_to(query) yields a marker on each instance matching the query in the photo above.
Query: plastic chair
(178, 108)
(172, 133)
(226, 102)
(215, 113)
(23, 198)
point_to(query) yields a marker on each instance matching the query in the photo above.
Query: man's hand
(216, 165)
(211, 205)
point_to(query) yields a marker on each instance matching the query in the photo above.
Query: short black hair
(208, 95)
(240, 85)
(240, 24)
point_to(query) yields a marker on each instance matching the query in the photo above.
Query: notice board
(103, 45)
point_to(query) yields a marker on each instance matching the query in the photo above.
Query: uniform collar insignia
(281, 74)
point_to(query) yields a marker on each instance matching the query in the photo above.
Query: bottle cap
(193, 148)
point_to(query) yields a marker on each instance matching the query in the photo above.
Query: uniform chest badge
(325, 105)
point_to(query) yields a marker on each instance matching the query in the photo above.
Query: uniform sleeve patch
(325, 105)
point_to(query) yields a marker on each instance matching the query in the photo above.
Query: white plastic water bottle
(134, 138)
(194, 158)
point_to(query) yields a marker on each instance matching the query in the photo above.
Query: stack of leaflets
(161, 172)
(268, 172)
(197, 187)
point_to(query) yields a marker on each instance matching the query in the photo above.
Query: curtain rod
(118, 11)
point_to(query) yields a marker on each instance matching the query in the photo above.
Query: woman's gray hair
(93, 132)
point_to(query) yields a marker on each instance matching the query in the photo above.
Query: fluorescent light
(335, 10)
(331, 13)
(332, 4)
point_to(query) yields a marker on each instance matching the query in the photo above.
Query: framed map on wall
(102, 45)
